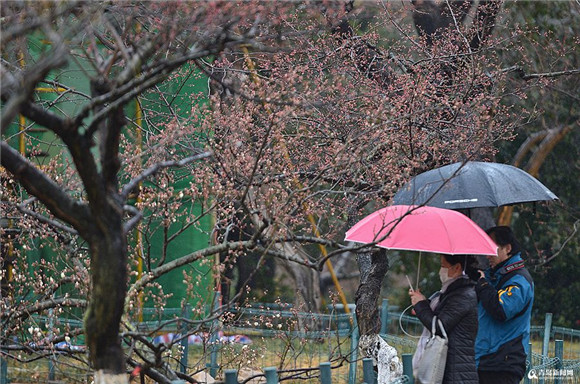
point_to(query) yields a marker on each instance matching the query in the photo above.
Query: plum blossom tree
(121, 50)
(309, 126)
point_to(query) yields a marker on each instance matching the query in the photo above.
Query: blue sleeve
(515, 296)
(488, 297)
(507, 302)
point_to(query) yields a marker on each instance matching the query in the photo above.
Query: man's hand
(474, 274)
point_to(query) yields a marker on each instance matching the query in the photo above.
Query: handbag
(431, 366)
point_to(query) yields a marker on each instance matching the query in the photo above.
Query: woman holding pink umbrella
(455, 305)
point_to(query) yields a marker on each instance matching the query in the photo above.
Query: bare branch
(570, 237)
(133, 221)
(545, 148)
(544, 75)
(130, 85)
(48, 119)
(487, 11)
(44, 305)
(49, 345)
(38, 184)
(130, 186)
(154, 274)
(43, 219)
(16, 90)
(288, 257)
(547, 141)
(527, 146)
(22, 27)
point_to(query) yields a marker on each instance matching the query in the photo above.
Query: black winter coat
(457, 310)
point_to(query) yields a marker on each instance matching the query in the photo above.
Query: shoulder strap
(517, 268)
(440, 324)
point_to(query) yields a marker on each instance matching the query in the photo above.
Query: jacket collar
(514, 262)
(461, 281)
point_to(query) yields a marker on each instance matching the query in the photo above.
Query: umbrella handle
(410, 285)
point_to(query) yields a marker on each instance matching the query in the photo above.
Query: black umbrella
(472, 184)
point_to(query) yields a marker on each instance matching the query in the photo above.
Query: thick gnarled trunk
(369, 290)
(109, 287)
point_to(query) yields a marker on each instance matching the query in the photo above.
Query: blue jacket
(504, 317)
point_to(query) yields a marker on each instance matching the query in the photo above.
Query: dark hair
(454, 259)
(469, 263)
(503, 236)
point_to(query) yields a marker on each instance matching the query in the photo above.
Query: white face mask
(444, 275)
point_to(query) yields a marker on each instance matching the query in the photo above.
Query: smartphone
(410, 285)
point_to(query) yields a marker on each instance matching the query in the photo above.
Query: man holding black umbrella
(506, 295)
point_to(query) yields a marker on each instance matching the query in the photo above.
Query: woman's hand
(416, 296)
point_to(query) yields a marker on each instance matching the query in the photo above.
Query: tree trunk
(369, 290)
(109, 286)
(306, 281)
(107, 378)
(307, 288)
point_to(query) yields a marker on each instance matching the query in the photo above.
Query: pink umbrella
(427, 229)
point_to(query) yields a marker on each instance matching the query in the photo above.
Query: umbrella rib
(490, 185)
(450, 245)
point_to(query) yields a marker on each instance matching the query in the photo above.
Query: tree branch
(44, 305)
(155, 273)
(131, 185)
(527, 146)
(546, 146)
(543, 75)
(57, 124)
(547, 260)
(127, 87)
(16, 90)
(287, 257)
(487, 11)
(548, 140)
(43, 219)
(48, 192)
(133, 221)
